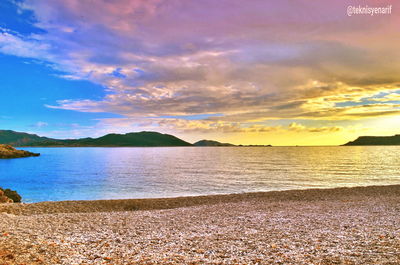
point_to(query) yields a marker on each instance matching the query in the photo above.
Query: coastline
(320, 226)
(116, 205)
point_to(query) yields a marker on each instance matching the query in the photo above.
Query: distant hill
(211, 143)
(22, 139)
(256, 145)
(140, 139)
(376, 140)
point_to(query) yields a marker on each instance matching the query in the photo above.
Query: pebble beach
(320, 226)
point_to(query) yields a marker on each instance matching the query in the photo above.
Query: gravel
(335, 226)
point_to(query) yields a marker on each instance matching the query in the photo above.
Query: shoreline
(318, 226)
(166, 146)
(117, 205)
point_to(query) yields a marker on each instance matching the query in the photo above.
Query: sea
(80, 173)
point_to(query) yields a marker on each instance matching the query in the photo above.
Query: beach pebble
(363, 230)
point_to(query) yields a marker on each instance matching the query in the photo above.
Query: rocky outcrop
(7, 151)
(4, 198)
(7, 195)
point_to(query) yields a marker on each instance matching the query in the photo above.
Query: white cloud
(13, 44)
(40, 124)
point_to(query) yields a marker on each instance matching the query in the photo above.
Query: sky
(282, 72)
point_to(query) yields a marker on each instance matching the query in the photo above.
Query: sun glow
(388, 125)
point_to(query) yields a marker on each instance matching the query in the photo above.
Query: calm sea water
(111, 173)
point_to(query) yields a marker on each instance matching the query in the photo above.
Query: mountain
(132, 139)
(211, 143)
(22, 139)
(376, 140)
(142, 139)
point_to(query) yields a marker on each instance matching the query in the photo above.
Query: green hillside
(130, 139)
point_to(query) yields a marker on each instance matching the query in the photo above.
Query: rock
(9, 196)
(13, 195)
(5, 199)
(7, 151)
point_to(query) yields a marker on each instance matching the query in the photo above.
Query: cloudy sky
(282, 72)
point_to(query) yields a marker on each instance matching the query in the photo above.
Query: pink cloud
(248, 60)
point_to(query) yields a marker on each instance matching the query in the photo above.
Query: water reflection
(105, 173)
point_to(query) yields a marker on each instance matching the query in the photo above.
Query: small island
(211, 143)
(216, 143)
(7, 151)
